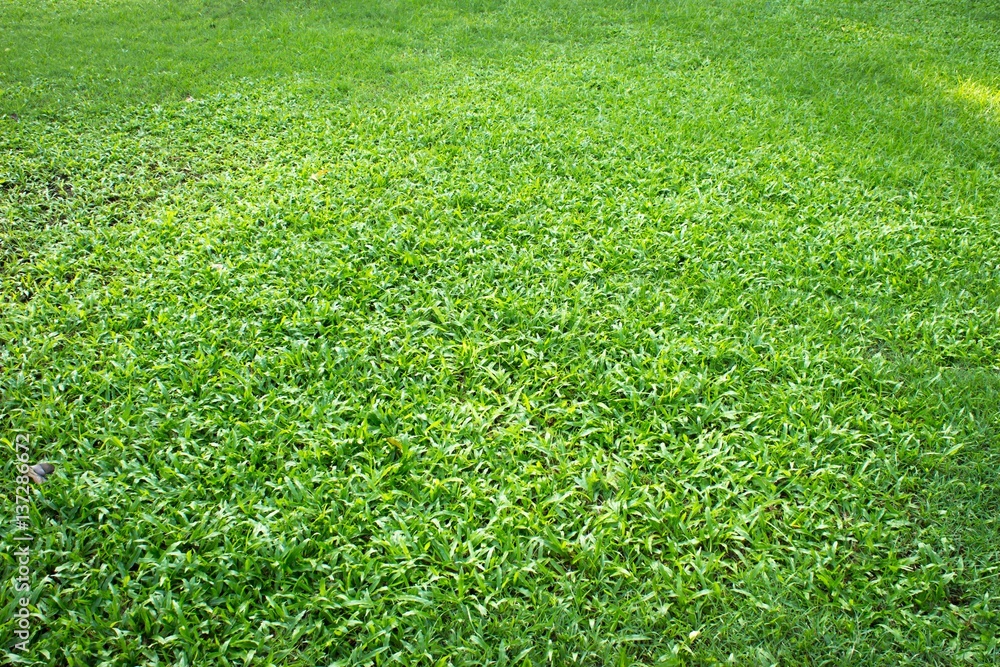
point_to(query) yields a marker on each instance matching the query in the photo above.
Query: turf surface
(515, 333)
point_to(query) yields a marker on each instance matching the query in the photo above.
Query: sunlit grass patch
(979, 95)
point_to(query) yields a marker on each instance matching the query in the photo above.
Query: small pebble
(40, 472)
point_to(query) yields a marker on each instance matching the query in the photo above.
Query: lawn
(552, 332)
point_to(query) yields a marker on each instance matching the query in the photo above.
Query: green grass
(511, 333)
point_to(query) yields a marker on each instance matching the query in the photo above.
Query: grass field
(520, 333)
